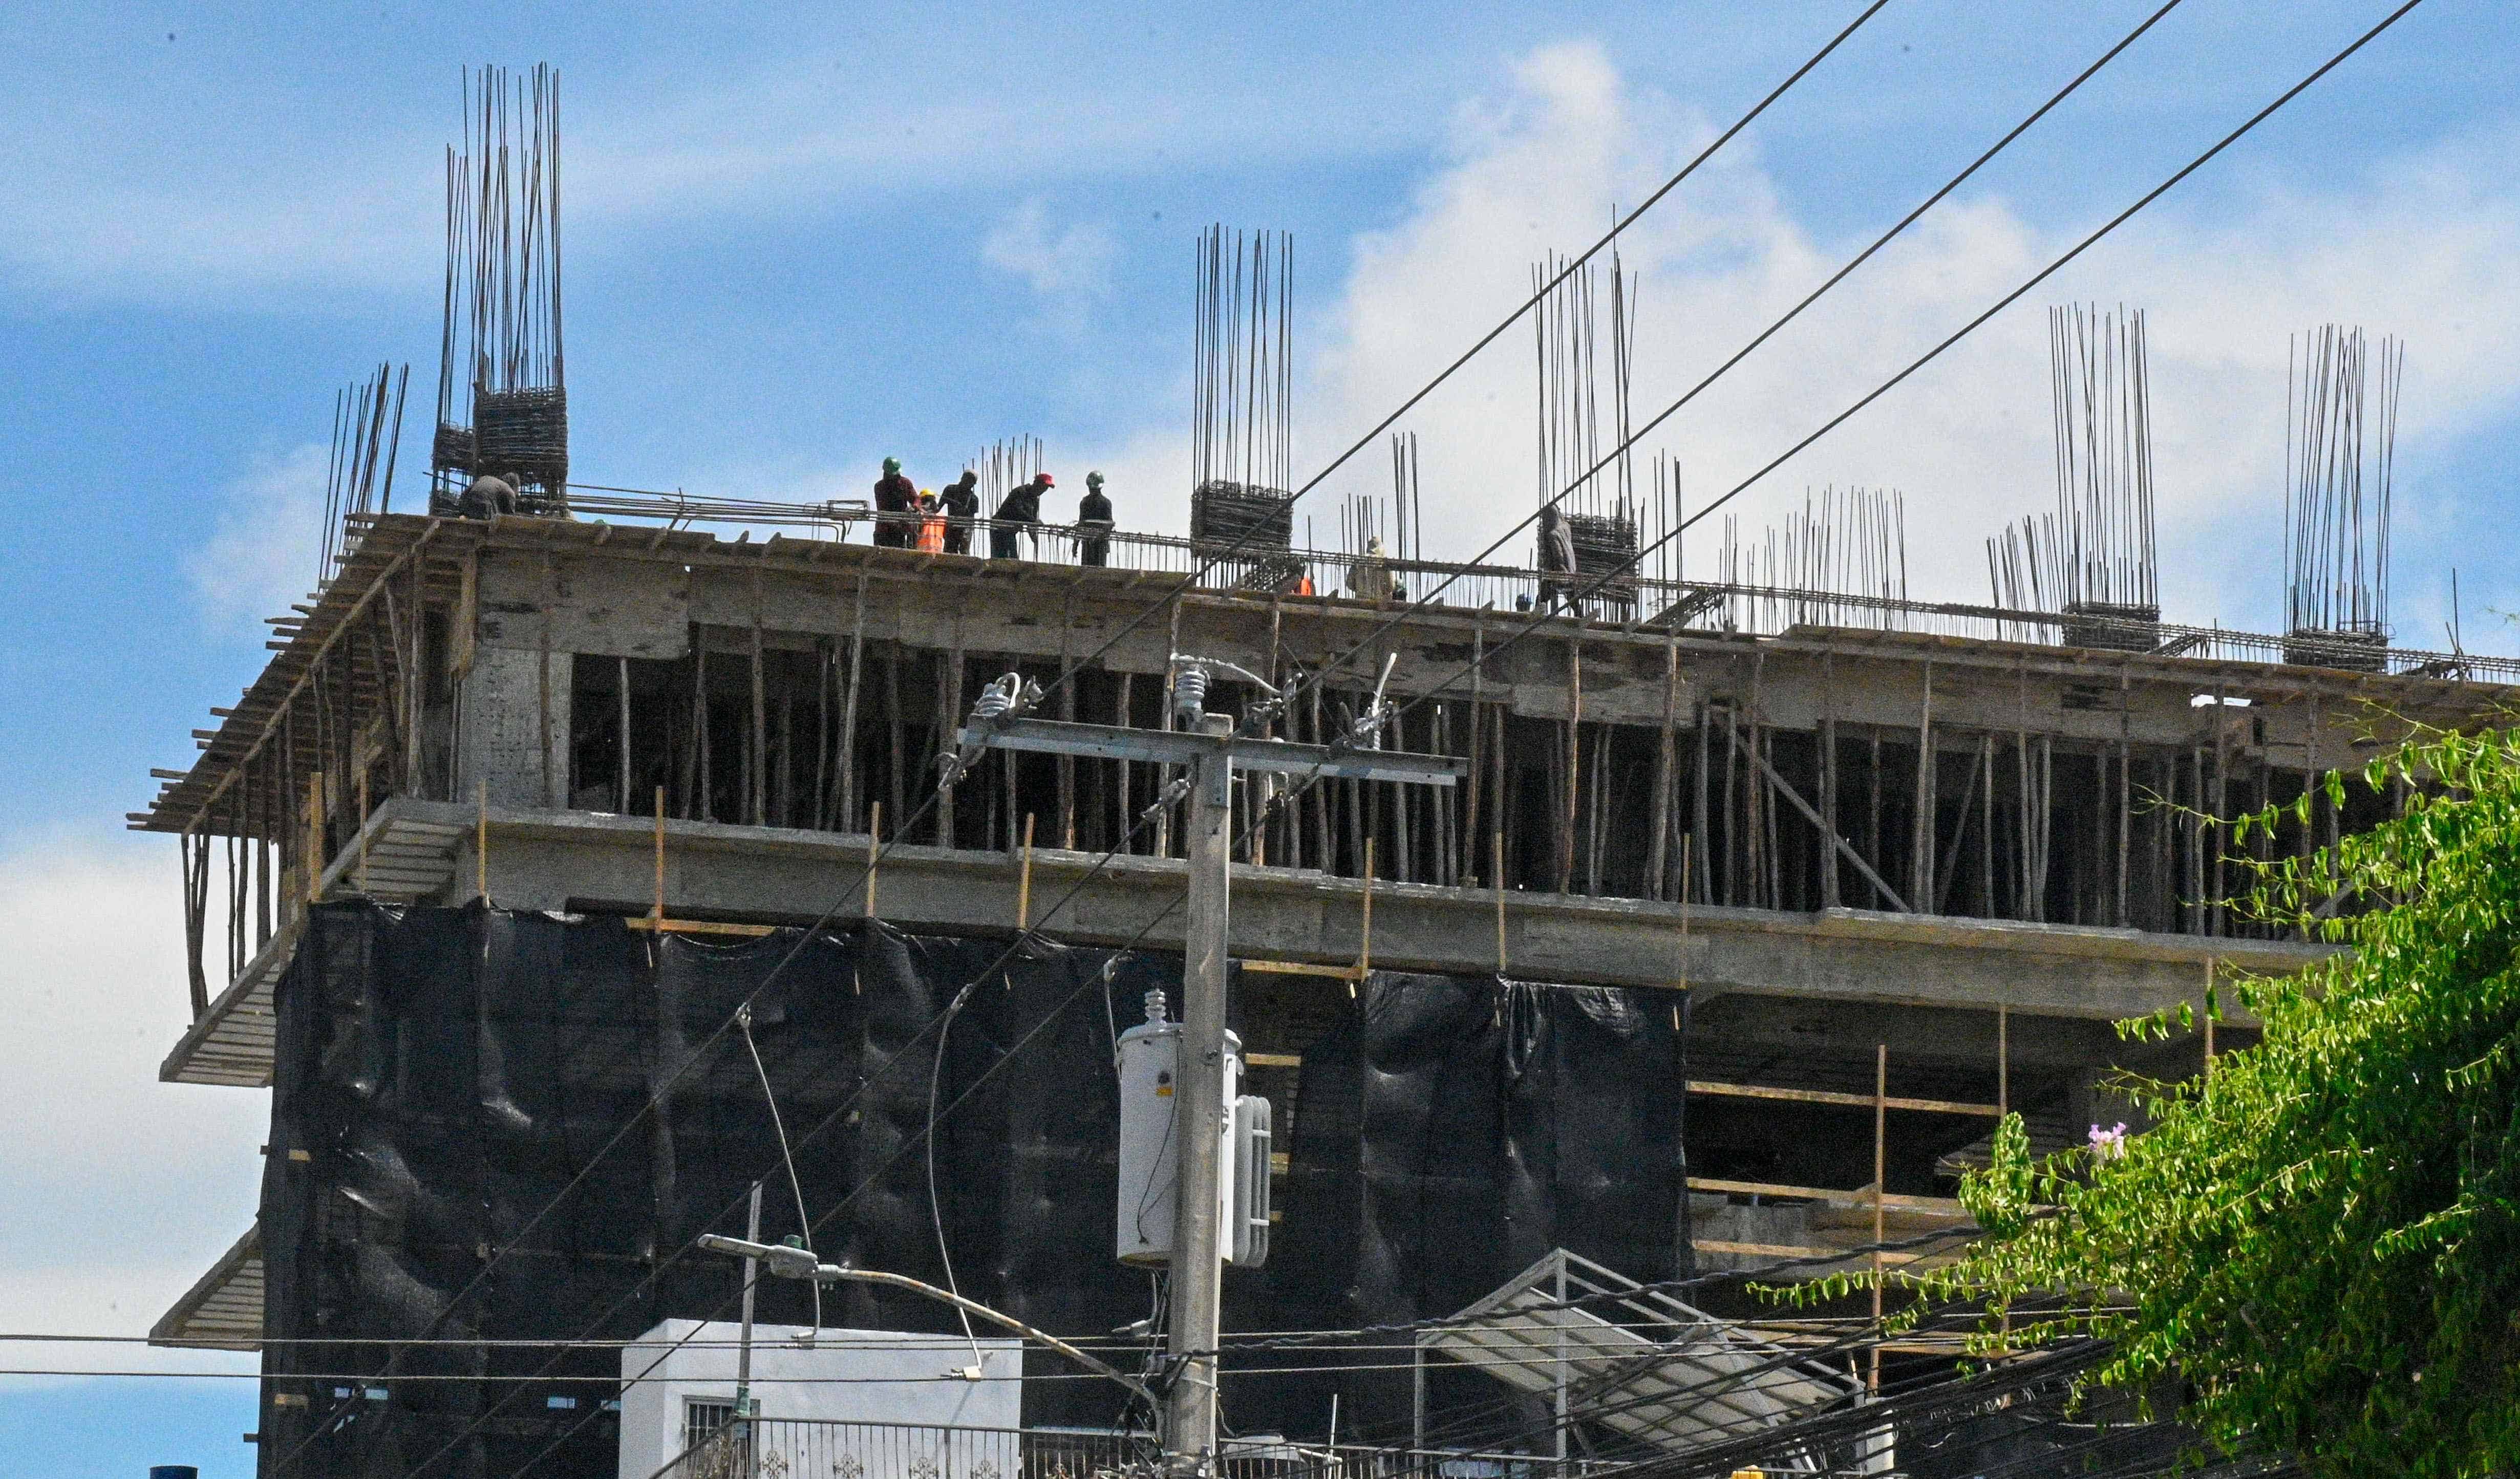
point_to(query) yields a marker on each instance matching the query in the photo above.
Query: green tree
(2322, 1238)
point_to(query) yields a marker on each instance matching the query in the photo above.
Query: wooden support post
(897, 781)
(1365, 937)
(1880, 1174)
(1164, 773)
(1120, 770)
(2221, 804)
(553, 787)
(1497, 867)
(1666, 762)
(1574, 753)
(1701, 835)
(622, 790)
(1827, 739)
(1921, 867)
(480, 840)
(1023, 881)
(657, 915)
(361, 823)
(2209, 1005)
(1067, 711)
(1812, 814)
(1478, 731)
(757, 749)
(2126, 795)
(848, 779)
(874, 853)
(2002, 1058)
(315, 835)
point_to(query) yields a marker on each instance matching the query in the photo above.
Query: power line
(930, 802)
(1631, 562)
(1427, 601)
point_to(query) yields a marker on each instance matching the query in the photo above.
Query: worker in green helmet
(896, 508)
(1094, 523)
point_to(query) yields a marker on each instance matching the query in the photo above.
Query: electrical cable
(1144, 819)
(804, 1223)
(937, 1207)
(1899, 378)
(1064, 678)
(1243, 540)
(1631, 561)
(1428, 602)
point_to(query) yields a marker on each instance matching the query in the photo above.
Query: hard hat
(1093, 479)
(892, 464)
(1049, 481)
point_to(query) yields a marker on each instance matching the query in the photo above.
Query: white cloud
(121, 1189)
(1069, 268)
(2428, 250)
(263, 552)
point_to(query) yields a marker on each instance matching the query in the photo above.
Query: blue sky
(799, 239)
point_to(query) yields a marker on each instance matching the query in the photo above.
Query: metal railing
(794, 1448)
(1638, 601)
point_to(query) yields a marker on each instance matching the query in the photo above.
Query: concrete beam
(582, 860)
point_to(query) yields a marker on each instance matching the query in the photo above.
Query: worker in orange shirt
(932, 524)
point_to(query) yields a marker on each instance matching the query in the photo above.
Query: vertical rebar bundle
(1599, 502)
(1003, 467)
(1841, 542)
(2094, 558)
(358, 480)
(502, 381)
(2339, 457)
(1243, 388)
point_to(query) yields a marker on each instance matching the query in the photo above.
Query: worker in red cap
(1017, 514)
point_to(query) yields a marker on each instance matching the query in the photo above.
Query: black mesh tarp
(446, 1075)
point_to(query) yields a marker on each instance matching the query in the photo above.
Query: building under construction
(1762, 897)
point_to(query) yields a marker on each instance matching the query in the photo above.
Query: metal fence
(794, 1448)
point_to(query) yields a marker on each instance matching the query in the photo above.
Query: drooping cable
(804, 1221)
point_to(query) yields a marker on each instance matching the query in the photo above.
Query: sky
(799, 241)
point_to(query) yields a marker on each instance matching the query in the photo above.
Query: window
(708, 1427)
(704, 1416)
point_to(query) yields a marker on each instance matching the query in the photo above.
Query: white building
(678, 1385)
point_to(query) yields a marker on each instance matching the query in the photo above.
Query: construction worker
(487, 497)
(1094, 523)
(896, 508)
(1018, 514)
(962, 504)
(1556, 558)
(932, 524)
(1371, 577)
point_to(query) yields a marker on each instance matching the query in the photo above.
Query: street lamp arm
(834, 1272)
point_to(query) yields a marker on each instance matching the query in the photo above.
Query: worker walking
(961, 502)
(896, 508)
(1094, 523)
(1556, 559)
(1018, 514)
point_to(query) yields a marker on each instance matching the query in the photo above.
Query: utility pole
(1208, 747)
(1199, 1243)
(753, 1253)
(743, 1347)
